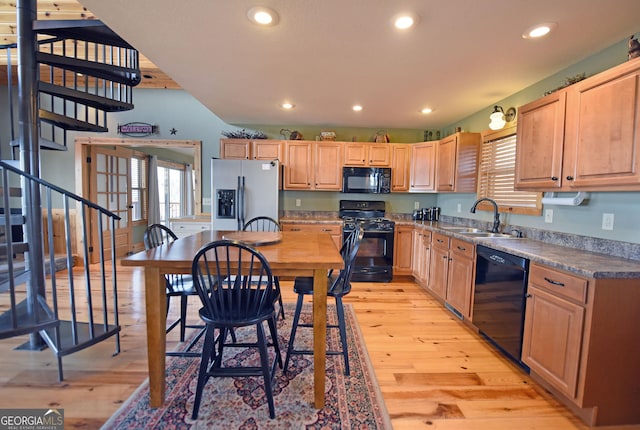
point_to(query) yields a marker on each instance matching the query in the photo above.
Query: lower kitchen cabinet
(334, 229)
(451, 272)
(421, 256)
(581, 342)
(402, 244)
(439, 265)
(460, 278)
(553, 337)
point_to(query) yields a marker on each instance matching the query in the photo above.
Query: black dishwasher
(499, 299)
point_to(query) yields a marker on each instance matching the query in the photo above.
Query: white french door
(110, 189)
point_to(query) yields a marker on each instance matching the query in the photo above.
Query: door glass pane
(122, 165)
(101, 182)
(101, 162)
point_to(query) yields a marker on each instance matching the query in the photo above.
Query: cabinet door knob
(554, 178)
(569, 178)
(528, 296)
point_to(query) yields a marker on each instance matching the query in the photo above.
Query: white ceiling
(326, 55)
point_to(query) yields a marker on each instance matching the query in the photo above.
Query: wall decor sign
(137, 129)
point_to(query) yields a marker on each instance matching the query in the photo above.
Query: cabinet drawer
(333, 229)
(559, 283)
(440, 240)
(462, 248)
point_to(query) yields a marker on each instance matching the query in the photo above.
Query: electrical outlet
(607, 221)
(459, 207)
(548, 216)
(298, 203)
(206, 201)
(416, 205)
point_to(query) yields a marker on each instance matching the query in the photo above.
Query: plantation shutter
(497, 172)
(139, 192)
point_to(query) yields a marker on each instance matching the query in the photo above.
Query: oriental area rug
(240, 403)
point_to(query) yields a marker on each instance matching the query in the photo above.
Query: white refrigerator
(241, 190)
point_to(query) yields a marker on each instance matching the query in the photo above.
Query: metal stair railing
(86, 71)
(90, 314)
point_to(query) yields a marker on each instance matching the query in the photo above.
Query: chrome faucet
(496, 214)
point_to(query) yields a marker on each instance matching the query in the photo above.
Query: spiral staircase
(84, 71)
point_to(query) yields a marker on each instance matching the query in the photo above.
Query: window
(496, 177)
(139, 192)
(171, 178)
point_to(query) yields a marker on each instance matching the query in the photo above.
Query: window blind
(139, 192)
(497, 174)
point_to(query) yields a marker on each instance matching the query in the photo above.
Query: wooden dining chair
(339, 286)
(265, 223)
(236, 288)
(261, 223)
(177, 285)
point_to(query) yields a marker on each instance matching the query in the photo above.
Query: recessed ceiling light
(287, 105)
(539, 30)
(262, 16)
(426, 110)
(403, 21)
(357, 108)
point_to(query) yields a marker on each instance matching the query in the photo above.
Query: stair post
(30, 153)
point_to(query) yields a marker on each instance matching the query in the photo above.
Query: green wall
(177, 109)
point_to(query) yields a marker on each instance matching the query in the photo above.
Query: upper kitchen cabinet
(540, 137)
(423, 163)
(245, 149)
(313, 165)
(457, 163)
(367, 154)
(400, 166)
(584, 137)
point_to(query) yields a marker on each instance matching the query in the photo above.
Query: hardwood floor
(434, 372)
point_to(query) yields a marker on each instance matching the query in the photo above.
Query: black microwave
(370, 180)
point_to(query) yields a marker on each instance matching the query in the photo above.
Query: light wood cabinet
(540, 140)
(298, 165)
(439, 265)
(451, 272)
(421, 256)
(423, 159)
(602, 131)
(246, 149)
(266, 150)
(400, 167)
(313, 165)
(334, 229)
(580, 342)
(367, 154)
(461, 274)
(402, 249)
(327, 170)
(457, 163)
(583, 137)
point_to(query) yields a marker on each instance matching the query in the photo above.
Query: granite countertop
(581, 262)
(584, 263)
(311, 219)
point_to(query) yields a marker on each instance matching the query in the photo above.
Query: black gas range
(374, 261)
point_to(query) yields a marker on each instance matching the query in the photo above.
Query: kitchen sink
(458, 229)
(476, 232)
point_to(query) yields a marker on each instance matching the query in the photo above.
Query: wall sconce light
(499, 118)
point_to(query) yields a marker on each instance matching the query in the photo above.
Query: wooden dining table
(294, 253)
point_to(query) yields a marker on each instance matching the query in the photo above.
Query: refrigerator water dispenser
(226, 204)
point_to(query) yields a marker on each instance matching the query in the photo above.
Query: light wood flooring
(434, 372)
